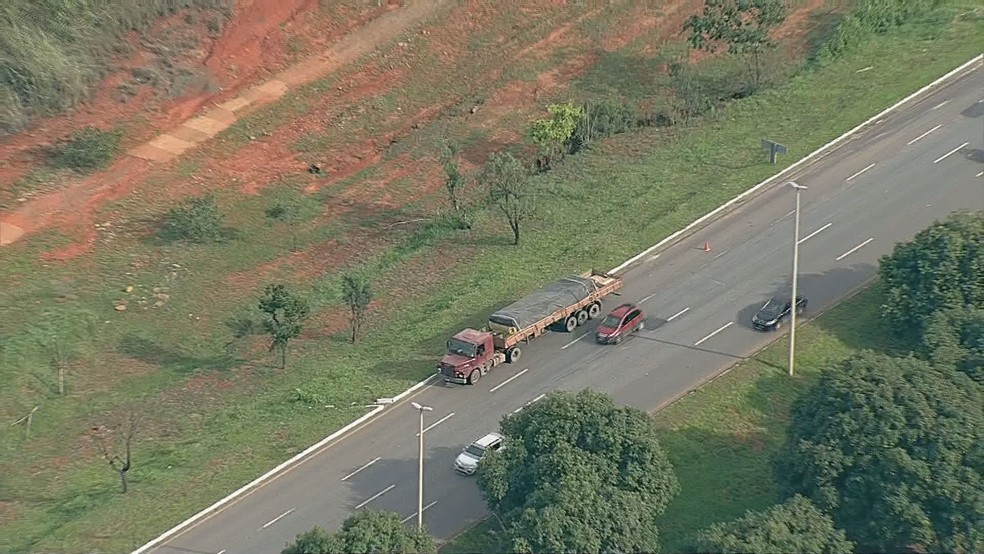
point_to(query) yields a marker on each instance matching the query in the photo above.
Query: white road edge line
(643, 301)
(940, 105)
(413, 515)
(948, 154)
(436, 423)
(678, 314)
(924, 134)
(506, 382)
(361, 468)
(722, 328)
(860, 172)
(375, 496)
(853, 250)
(815, 233)
(296, 459)
(278, 518)
(573, 341)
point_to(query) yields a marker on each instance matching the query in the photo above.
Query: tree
(743, 25)
(287, 214)
(551, 134)
(58, 335)
(366, 532)
(509, 189)
(579, 474)
(955, 338)
(454, 180)
(941, 268)
(285, 314)
(893, 449)
(357, 292)
(793, 526)
(115, 444)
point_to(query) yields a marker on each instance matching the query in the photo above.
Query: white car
(467, 461)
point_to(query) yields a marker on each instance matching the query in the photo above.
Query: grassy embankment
(215, 441)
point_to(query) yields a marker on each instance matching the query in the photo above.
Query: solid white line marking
(436, 423)
(860, 172)
(360, 469)
(375, 496)
(278, 518)
(924, 134)
(791, 212)
(506, 382)
(643, 301)
(573, 341)
(948, 154)
(940, 105)
(678, 314)
(723, 327)
(413, 515)
(814, 233)
(853, 250)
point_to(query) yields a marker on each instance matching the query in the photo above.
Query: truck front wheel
(474, 376)
(513, 355)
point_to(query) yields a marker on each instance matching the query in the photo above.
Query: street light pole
(420, 474)
(792, 304)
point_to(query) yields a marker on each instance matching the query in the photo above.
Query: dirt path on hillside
(81, 199)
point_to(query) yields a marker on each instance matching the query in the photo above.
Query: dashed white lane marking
(853, 250)
(723, 252)
(814, 233)
(413, 515)
(979, 174)
(950, 153)
(375, 496)
(923, 135)
(360, 469)
(791, 212)
(643, 301)
(860, 172)
(278, 518)
(221, 551)
(537, 399)
(722, 328)
(940, 105)
(678, 314)
(506, 382)
(436, 423)
(573, 341)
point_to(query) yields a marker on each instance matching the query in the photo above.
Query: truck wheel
(570, 324)
(513, 355)
(594, 310)
(582, 317)
(474, 376)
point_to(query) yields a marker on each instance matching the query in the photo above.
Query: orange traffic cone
(707, 246)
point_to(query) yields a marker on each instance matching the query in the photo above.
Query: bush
(600, 120)
(87, 149)
(872, 17)
(196, 220)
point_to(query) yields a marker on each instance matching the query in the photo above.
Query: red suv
(623, 320)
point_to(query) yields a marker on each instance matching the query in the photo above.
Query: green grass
(722, 438)
(222, 416)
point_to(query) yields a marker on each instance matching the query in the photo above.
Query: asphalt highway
(882, 186)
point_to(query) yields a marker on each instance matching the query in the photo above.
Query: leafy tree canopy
(366, 532)
(955, 338)
(793, 526)
(579, 474)
(893, 449)
(941, 268)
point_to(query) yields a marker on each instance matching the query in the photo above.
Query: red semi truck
(566, 303)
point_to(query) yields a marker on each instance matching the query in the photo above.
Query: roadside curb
(802, 162)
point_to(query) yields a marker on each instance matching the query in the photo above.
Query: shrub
(600, 120)
(873, 17)
(196, 220)
(87, 149)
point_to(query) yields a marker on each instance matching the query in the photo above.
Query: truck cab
(470, 355)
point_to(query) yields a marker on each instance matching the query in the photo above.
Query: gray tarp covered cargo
(541, 303)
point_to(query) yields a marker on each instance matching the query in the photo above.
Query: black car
(770, 315)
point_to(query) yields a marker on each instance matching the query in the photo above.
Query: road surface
(883, 186)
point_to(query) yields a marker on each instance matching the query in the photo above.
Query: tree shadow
(974, 110)
(173, 359)
(737, 358)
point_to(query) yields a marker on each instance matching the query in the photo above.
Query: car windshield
(461, 348)
(611, 321)
(475, 451)
(771, 308)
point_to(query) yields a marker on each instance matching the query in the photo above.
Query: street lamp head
(420, 407)
(797, 186)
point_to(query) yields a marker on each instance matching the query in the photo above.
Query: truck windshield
(461, 348)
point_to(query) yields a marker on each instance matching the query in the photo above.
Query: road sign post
(774, 148)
